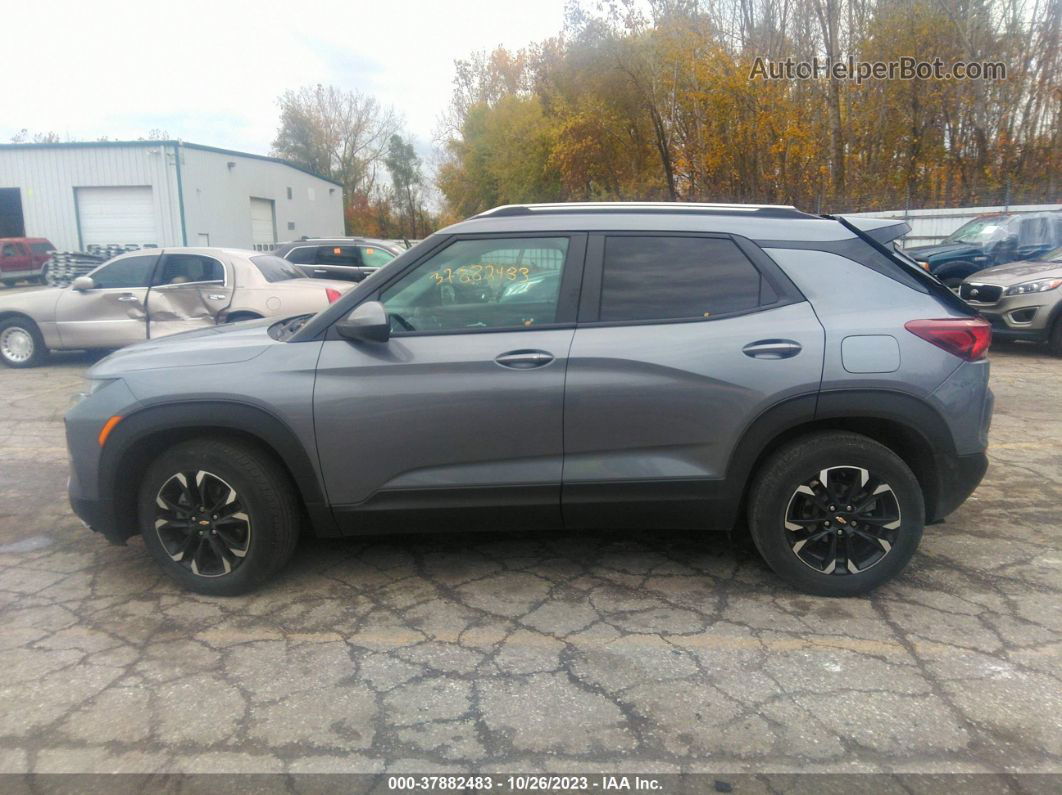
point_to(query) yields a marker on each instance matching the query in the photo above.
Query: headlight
(1038, 286)
(92, 385)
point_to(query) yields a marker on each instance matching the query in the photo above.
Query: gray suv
(562, 366)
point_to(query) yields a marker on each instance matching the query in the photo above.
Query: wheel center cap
(840, 520)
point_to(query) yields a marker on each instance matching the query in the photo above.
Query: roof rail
(774, 210)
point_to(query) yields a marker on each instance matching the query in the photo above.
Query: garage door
(263, 230)
(117, 215)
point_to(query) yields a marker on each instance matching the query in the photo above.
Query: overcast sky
(211, 72)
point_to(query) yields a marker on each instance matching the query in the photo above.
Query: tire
(257, 537)
(21, 343)
(1054, 337)
(956, 272)
(788, 487)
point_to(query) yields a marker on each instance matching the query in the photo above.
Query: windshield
(977, 230)
(275, 269)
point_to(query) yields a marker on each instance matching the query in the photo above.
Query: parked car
(689, 365)
(990, 240)
(1021, 300)
(348, 259)
(154, 293)
(23, 258)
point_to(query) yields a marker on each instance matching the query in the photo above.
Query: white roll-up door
(117, 215)
(263, 229)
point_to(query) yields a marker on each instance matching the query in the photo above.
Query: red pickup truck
(23, 258)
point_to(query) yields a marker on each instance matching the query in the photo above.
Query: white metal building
(160, 193)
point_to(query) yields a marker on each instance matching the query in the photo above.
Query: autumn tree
(338, 134)
(655, 99)
(403, 165)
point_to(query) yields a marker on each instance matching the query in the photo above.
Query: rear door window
(676, 278)
(189, 269)
(338, 255)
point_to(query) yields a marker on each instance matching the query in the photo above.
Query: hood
(38, 304)
(1017, 272)
(950, 250)
(236, 342)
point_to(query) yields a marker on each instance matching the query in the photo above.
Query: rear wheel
(836, 514)
(220, 517)
(21, 343)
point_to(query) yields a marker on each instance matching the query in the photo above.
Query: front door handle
(524, 360)
(128, 297)
(772, 349)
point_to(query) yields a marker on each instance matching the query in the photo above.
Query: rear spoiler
(883, 230)
(883, 227)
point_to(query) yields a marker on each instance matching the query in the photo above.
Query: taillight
(967, 338)
(333, 294)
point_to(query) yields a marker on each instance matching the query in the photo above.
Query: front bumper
(1020, 317)
(92, 504)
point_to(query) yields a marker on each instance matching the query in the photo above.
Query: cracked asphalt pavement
(606, 652)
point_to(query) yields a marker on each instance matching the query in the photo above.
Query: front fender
(138, 437)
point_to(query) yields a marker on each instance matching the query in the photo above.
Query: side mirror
(366, 323)
(82, 283)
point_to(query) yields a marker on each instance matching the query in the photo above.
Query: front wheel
(1054, 337)
(21, 343)
(836, 514)
(220, 517)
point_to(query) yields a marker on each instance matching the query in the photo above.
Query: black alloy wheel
(202, 523)
(844, 521)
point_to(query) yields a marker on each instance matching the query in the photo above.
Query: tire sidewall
(256, 565)
(776, 488)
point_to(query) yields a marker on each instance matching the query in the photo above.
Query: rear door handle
(128, 297)
(217, 296)
(524, 360)
(772, 349)
(320, 271)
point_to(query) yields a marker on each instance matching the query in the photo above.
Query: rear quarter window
(275, 269)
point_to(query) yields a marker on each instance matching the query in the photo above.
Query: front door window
(501, 283)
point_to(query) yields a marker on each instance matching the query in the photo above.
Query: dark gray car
(348, 258)
(562, 366)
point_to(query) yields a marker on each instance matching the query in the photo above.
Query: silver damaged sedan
(153, 293)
